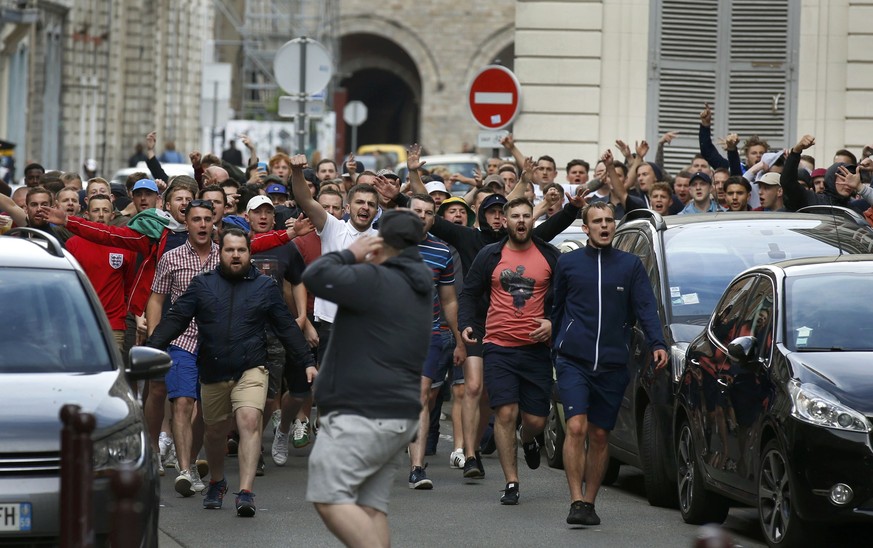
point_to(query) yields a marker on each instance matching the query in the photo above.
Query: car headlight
(124, 447)
(817, 406)
(677, 359)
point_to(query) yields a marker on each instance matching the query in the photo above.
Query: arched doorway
(379, 73)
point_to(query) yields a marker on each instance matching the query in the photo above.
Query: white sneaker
(196, 482)
(164, 443)
(276, 418)
(280, 448)
(184, 483)
(170, 461)
(457, 459)
(300, 433)
(160, 467)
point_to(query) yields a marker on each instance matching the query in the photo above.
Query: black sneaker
(245, 504)
(488, 445)
(259, 471)
(510, 494)
(232, 444)
(418, 479)
(472, 469)
(582, 513)
(480, 465)
(531, 454)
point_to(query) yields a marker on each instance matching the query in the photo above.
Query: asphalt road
(455, 513)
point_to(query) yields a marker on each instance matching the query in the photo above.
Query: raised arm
(704, 137)
(413, 164)
(527, 167)
(9, 206)
(730, 145)
(152, 161)
(302, 196)
(508, 143)
(795, 196)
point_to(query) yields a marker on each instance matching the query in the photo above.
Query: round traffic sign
(355, 113)
(494, 97)
(287, 64)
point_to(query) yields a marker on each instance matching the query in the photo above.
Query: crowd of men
(263, 281)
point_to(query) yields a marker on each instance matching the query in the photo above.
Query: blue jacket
(232, 315)
(598, 293)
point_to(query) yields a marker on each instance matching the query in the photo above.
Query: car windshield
(49, 325)
(832, 324)
(703, 258)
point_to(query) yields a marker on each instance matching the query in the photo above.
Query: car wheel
(612, 471)
(554, 438)
(660, 489)
(697, 505)
(778, 518)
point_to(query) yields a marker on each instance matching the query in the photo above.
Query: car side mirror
(147, 363)
(741, 349)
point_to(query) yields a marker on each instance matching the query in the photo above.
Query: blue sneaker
(215, 494)
(245, 504)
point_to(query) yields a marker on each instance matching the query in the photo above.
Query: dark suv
(690, 260)
(56, 347)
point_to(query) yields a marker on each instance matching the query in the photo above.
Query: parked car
(56, 347)
(465, 164)
(690, 260)
(775, 404)
(385, 155)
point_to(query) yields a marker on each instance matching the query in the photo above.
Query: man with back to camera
(369, 394)
(590, 346)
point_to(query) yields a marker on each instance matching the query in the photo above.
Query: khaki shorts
(119, 342)
(220, 400)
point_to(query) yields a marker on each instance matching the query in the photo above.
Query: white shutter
(736, 56)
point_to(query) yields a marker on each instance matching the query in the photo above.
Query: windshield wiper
(821, 349)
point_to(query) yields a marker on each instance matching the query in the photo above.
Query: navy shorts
(435, 367)
(457, 371)
(183, 378)
(519, 374)
(584, 391)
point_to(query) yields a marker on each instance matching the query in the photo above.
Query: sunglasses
(202, 203)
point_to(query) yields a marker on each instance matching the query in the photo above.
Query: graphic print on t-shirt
(518, 286)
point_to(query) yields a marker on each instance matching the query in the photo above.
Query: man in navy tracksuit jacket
(599, 292)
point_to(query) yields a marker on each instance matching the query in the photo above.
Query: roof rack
(53, 245)
(653, 217)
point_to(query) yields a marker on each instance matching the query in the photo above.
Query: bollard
(68, 472)
(83, 425)
(126, 514)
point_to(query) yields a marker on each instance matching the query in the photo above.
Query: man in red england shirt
(110, 269)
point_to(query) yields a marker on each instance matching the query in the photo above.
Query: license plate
(16, 516)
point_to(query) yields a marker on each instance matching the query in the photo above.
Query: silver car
(56, 347)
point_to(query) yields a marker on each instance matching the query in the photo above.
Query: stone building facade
(89, 79)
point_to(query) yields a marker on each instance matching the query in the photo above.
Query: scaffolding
(262, 27)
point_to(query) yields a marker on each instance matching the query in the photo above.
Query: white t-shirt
(335, 235)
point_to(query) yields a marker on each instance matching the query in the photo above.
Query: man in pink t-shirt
(514, 277)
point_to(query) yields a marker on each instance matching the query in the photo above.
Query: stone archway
(382, 75)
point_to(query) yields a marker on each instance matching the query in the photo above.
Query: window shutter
(735, 56)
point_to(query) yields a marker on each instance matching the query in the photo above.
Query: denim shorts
(435, 367)
(584, 391)
(183, 377)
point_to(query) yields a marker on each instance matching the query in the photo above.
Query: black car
(56, 347)
(690, 260)
(775, 405)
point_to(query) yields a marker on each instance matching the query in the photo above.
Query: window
(739, 56)
(726, 323)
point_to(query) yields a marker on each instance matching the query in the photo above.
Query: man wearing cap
(495, 182)
(770, 193)
(701, 195)
(437, 191)
(456, 210)
(818, 180)
(285, 265)
(144, 194)
(369, 394)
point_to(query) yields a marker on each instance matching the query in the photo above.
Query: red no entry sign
(494, 97)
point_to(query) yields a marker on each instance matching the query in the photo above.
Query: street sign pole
(301, 100)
